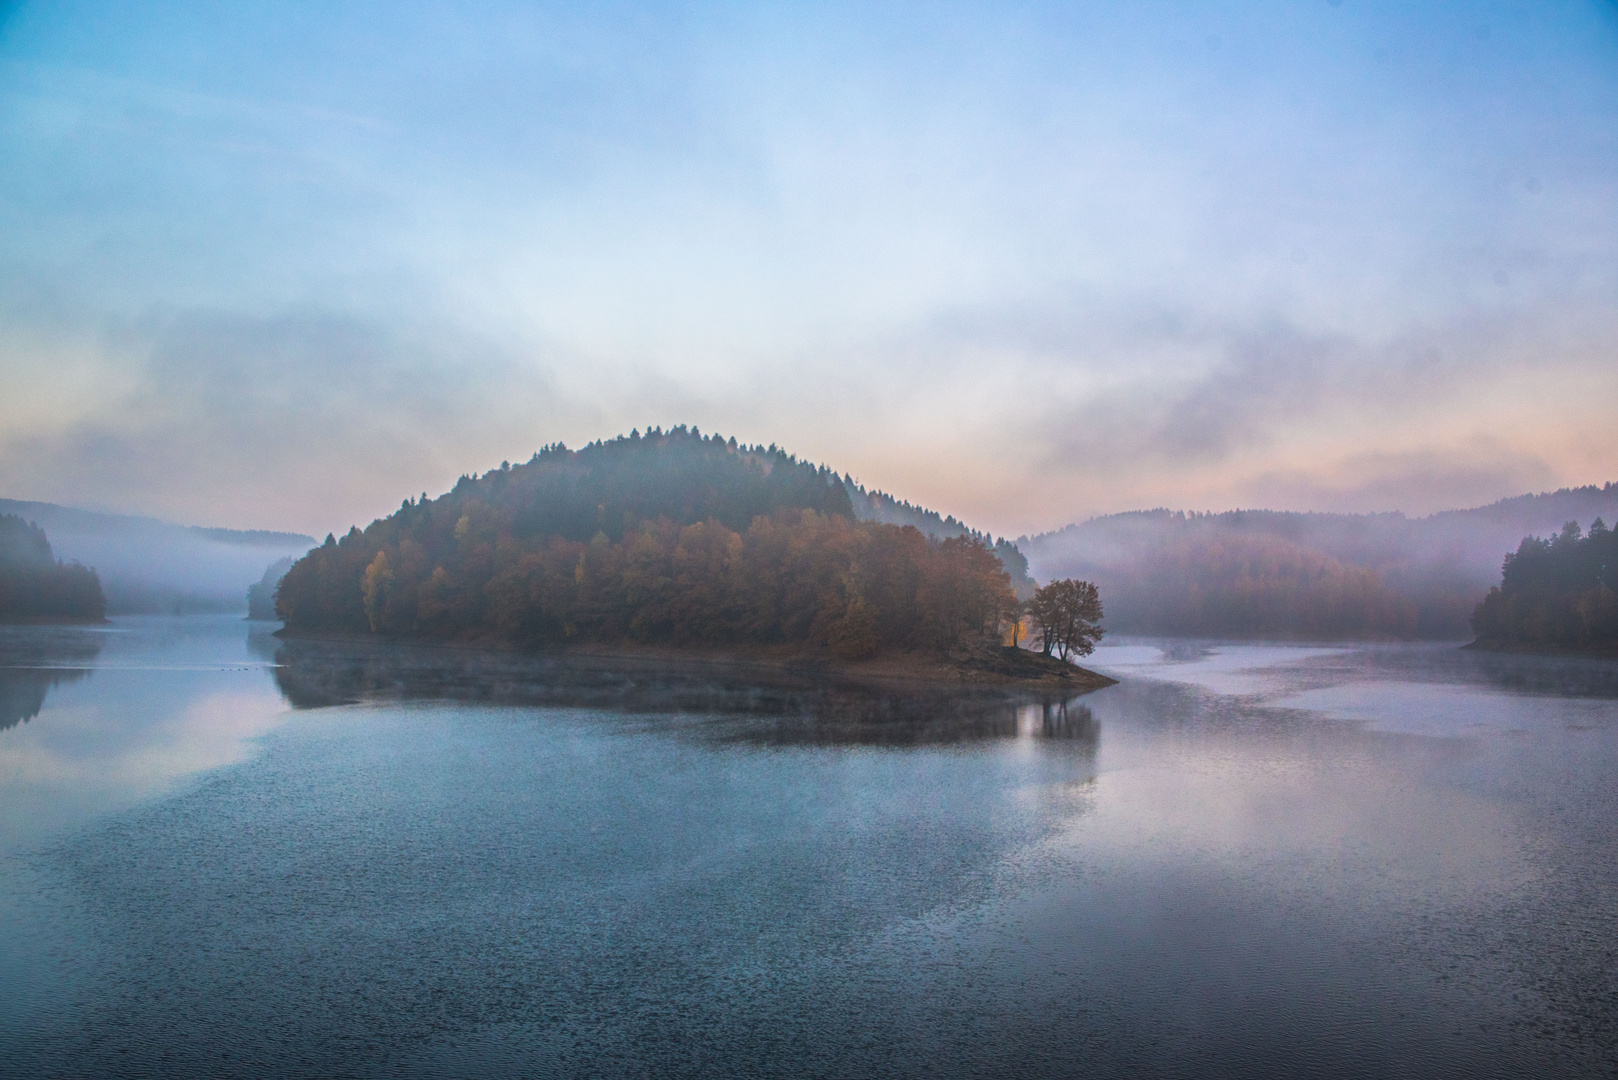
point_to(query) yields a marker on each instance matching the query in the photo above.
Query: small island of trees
(34, 586)
(667, 538)
(1558, 593)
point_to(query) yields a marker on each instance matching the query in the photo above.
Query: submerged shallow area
(222, 856)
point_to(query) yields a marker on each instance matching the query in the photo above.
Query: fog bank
(1266, 572)
(149, 566)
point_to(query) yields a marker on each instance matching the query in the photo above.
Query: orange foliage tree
(641, 542)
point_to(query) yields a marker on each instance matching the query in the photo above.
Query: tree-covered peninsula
(1555, 594)
(668, 538)
(34, 586)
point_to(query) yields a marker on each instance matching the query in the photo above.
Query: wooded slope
(672, 537)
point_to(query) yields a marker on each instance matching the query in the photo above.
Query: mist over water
(230, 855)
(152, 567)
(1308, 576)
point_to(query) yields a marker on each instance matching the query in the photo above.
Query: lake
(224, 855)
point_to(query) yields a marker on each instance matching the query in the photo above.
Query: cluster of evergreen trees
(672, 537)
(1561, 591)
(33, 585)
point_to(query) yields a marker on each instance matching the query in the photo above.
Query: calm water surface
(221, 855)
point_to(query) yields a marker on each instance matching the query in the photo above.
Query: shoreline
(52, 620)
(1524, 648)
(1005, 667)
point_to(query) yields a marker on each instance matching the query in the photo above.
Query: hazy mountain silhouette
(1269, 572)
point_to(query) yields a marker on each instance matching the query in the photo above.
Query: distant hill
(668, 538)
(1267, 572)
(150, 566)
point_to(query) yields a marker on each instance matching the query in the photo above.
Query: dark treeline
(671, 537)
(34, 585)
(1560, 591)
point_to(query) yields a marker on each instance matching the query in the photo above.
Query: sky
(281, 265)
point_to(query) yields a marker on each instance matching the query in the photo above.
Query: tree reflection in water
(742, 703)
(33, 659)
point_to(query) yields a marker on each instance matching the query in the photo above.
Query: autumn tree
(1067, 617)
(669, 538)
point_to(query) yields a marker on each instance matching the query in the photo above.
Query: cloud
(1241, 390)
(1015, 419)
(302, 419)
(1018, 263)
(1023, 419)
(1197, 417)
(1417, 482)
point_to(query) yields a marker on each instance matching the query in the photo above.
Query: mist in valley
(1233, 574)
(147, 566)
(1267, 573)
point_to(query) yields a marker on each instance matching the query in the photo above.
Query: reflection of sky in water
(1240, 861)
(1224, 669)
(1444, 710)
(1404, 689)
(163, 699)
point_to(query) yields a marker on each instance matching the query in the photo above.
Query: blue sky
(280, 265)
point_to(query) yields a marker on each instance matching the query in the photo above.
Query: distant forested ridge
(34, 585)
(671, 537)
(1216, 585)
(1266, 573)
(1558, 592)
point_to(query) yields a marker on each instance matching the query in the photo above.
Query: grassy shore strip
(1010, 668)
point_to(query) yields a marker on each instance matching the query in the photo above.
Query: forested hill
(681, 475)
(1268, 573)
(872, 505)
(669, 537)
